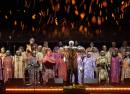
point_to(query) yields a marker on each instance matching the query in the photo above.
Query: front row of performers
(73, 64)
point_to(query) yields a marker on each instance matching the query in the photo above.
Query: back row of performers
(74, 64)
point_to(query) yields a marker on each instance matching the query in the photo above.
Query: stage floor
(75, 89)
(16, 86)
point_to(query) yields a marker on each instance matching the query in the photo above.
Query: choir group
(73, 64)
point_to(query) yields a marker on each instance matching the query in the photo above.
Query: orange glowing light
(34, 89)
(56, 7)
(73, 2)
(81, 28)
(93, 19)
(34, 16)
(108, 89)
(85, 29)
(99, 21)
(15, 22)
(85, 7)
(76, 12)
(63, 29)
(82, 15)
(113, 15)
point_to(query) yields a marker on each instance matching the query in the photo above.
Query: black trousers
(70, 73)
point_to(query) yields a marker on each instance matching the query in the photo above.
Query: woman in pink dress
(62, 70)
(48, 63)
(115, 67)
(8, 66)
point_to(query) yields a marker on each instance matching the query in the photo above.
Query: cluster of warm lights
(67, 15)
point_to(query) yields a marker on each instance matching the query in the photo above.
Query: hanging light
(81, 28)
(6, 17)
(34, 16)
(99, 21)
(76, 12)
(15, 23)
(85, 29)
(82, 15)
(33, 29)
(73, 2)
(94, 19)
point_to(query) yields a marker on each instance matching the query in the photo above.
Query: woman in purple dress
(115, 67)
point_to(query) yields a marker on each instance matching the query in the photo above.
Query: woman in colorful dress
(115, 67)
(8, 66)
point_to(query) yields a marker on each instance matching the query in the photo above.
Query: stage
(74, 89)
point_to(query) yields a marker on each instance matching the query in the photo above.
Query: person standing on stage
(33, 69)
(60, 44)
(8, 66)
(72, 63)
(89, 66)
(45, 48)
(2, 53)
(1, 70)
(39, 56)
(61, 65)
(24, 55)
(124, 48)
(102, 66)
(115, 67)
(113, 48)
(31, 46)
(57, 58)
(92, 48)
(49, 66)
(95, 53)
(80, 57)
(19, 66)
(107, 53)
(126, 69)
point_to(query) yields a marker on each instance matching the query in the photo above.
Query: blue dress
(89, 67)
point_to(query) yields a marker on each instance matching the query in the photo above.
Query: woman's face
(114, 53)
(113, 44)
(61, 50)
(65, 49)
(49, 51)
(2, 50)
(21, 49)
(104, 48)
(102, 53)
(91, 44)
(31, 41)
(89, 54)
(18, 53)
